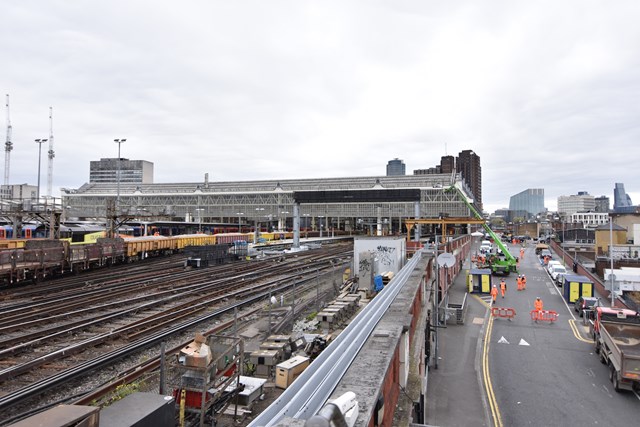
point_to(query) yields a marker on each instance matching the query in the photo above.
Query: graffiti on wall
(364, 265)
(385, 255)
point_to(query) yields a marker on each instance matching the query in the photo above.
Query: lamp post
(562, 243)
(199, 210)
(118, 141)
(612, 277)
(239, 219)
(474, 236)
(256, 233)
(39, 142)
(306, 224)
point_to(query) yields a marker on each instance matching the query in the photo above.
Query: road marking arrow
(523, 342)
(503, 340)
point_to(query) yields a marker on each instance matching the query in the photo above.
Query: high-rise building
(530, 201)
(396, 167)
(131, 171)
(581, 202)
(602, 204)
(468, 165)
(621, 200)
(447, 164)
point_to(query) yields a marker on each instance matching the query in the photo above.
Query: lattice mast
(52, 154)
(8, 146)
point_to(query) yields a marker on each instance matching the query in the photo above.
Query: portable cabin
(575, 287)
(479, 280)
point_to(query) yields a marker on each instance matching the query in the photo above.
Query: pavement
(455, 396)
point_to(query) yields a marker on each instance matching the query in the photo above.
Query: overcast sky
(547, 93)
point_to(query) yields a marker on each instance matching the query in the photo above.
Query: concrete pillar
(296, 225)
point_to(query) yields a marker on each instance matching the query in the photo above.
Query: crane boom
(51, 155)
(8, 146)
(510, 263)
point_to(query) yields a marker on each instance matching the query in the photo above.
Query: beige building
(603, 240)
(627, 221)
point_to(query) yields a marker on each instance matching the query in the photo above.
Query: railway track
(47, 344)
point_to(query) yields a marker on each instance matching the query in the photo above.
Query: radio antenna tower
(52, 154)
(8, 146)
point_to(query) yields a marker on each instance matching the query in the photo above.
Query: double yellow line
(576, 332)
(493, 404)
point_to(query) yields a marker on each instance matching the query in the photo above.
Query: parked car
(585, 303)
(552, 263)
(545, 252)
(557, 273)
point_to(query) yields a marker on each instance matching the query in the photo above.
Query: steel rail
(305, 397)
(90, 365)
(175, 313)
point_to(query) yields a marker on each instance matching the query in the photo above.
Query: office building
(602, 204)
(131, 171)
(581, 202)
(19, 191)
(468, 165)
(396, 167)
(621, 200)
(530, 201)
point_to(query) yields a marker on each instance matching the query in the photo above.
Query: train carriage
(33, 258)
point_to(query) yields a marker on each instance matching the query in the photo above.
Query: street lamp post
(474, 236)
(199, 210)
(239, 221)
(39, 142)
(118, 141)
(306, 224)
(611, 275)
(256, 232)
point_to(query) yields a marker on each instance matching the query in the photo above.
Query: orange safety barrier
(544, 316)
(505, 312)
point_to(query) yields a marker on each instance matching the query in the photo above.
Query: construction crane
(51, 155)
(8, 146)
(497, 265)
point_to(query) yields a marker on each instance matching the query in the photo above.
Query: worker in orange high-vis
(519, 282)
(494, 293)
(503, 287)
(522, 253)
(524, 282)
(537, 304)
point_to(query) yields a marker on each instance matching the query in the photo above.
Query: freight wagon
(35, 259)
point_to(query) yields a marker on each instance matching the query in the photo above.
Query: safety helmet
(494, 286)
(537, 297)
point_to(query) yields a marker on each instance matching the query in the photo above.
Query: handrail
(306, 396)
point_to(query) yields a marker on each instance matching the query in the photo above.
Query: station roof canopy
(358, 196)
